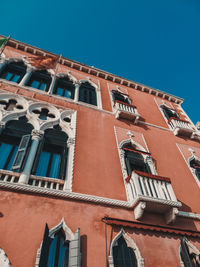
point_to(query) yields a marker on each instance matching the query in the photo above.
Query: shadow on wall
(84, 251)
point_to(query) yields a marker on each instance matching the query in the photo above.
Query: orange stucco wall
(98, 172)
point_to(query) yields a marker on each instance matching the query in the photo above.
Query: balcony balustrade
(153, 193)
(126, 111)
(181, 127)
(41, 182)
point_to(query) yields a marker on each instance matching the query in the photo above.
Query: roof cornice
(95, 72)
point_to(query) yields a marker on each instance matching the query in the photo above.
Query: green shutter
(185, 253)
(17, 163)
(45, 248)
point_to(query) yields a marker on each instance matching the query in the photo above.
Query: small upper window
(40, 80)
(64, 87)
(134, 160)
(13, 71)
(87, 94)
(169, 113)
(117, 96)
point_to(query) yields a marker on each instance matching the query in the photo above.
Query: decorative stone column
(53, 80)
(37, 135)
(2, 126)
(70, 164)
(26, 76)
(77, 85)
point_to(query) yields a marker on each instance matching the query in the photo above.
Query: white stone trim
(41, 125)
(189, 215)
(130, 243)
(4, 261)
(147, 158)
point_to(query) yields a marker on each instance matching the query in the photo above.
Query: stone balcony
(154, 194)
(182, 127)
(126, 111)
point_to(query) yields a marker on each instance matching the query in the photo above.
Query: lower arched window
(123, 256)
(51, 158)
(58, 251)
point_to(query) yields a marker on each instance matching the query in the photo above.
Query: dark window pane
(40, 80)
(64, 87)
(87, 94)
(123, 256)
(13, 72)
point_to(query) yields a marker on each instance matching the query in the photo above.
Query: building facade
(95, 170)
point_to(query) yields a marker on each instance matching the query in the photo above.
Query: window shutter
(185, 254)
(74, 251)
(21, 152)
(128, 166)
(39, 150)
(45, 248)
(63, 165)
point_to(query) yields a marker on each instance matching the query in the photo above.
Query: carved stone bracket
(70, 141)
(139, 210)
(170, 216)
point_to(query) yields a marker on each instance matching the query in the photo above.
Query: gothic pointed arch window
(124, 252)
(169, 112)
(135, 160)
(119, 96)
(13, 71)
(40, 79)
(60, 247)
(51, 158)
(15, 141)
(87, 93)
(64, 87)
(194, 164)
(190, 255)
(123, 255)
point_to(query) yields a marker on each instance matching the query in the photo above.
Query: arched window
(190, 255)
(13, 71)
(195, 165)
(15, 144)
(60, 247)
(51, 158)
(87, 94)
(64, 87)
(40, 80)
(169, 113)
(134, 160)
(117, 96)
(124, 252)
(123, 255)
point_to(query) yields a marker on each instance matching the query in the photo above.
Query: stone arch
(66, 74)
(130, 243)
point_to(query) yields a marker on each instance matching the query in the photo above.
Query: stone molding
(4, 261)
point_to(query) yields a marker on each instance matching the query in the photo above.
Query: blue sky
(155, 42)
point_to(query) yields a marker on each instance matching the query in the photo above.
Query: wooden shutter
(74, 250)
(185, 254)
(21, 152)
(45, 248)
(63, 165)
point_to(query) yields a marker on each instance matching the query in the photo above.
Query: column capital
(37, 134)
